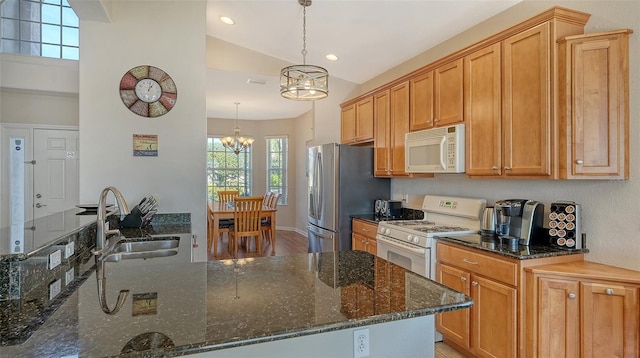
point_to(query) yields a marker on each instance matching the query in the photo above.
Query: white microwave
(437, 150)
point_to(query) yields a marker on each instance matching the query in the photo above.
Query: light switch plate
(69, 249)
(55, 258)
(54, 288)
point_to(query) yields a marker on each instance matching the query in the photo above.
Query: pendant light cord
(304, 34)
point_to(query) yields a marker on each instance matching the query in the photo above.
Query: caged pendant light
(304, 82)
(236, 143)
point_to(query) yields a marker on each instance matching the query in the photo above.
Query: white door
(56, 170)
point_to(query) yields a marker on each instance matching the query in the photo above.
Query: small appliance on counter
(520, 220)
(387, 208)
(564, 225)
(488, 221)
(141, 215)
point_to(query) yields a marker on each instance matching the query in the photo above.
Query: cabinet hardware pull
(572, 296)
(579, 162)
(470, 262)
(474, 283)
(608, 291)
(494, 167)
(462, 278)
(436, 120)
(507, 168)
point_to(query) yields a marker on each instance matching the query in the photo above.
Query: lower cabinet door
(454, 325)
(559, 318)
(494, 319)
(609, 320)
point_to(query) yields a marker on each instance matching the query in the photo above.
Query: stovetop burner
(404, 223)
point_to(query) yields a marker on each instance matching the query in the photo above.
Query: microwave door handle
(443, 153)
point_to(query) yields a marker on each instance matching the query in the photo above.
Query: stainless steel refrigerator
(340, 184)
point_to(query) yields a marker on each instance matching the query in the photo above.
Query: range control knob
(416, 239)
(409, 237)
(380, 229)
(387, 231)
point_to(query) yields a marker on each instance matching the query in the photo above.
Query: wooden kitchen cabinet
(594, 106)
(489, 328)
(483, 98)
(449, 89)
(526, 103)
(583, 309)
(392, 122)
(357, 122)
(382, 134)
(364, 236)
(495, 326)
(436, 97)
(421, 102)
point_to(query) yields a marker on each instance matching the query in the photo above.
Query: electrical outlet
(55, 258)
(69, 276)
(361, 343)
(69, 249)
(55, 288)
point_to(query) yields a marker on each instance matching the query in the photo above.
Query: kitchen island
(306, 304)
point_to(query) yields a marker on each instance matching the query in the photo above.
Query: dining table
(220, 211)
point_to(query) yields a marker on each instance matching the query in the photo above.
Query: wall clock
(148, 91)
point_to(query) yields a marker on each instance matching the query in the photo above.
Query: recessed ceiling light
(331, 57)
(227, 20)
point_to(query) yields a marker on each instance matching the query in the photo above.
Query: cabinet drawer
(473, 261)
(365, 228)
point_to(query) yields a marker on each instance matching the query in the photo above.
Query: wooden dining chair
(265, 224)
(247, 212)
(227, 196)
(224, 196)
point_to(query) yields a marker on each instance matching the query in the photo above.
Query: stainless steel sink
(156, 243)
(115, 257)
(143, 248)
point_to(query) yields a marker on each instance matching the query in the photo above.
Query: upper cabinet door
(348, 124)
(526, 103)
(482, 100)
(364, 120)
(421, 102)
(382, 137)
(594, 106)
(399, 112)
(449, 93)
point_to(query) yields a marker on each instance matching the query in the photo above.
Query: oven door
(416, 259)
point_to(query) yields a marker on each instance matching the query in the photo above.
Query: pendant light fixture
(236, 143)
(304, 82)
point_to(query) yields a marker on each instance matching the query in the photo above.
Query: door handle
(38, 205)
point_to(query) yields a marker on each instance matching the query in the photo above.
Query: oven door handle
(403, 247)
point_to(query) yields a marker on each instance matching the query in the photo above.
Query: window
(277, 156)
(226, 170)
(47, 28)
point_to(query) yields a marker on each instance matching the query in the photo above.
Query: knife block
(134, 219)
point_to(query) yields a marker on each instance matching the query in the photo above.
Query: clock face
(148, 91)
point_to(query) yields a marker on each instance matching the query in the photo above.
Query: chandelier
(304, 82)
(236, 143)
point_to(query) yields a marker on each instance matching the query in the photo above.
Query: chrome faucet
(102, 229)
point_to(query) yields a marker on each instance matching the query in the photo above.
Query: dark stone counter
(519, 252)
(175, 307)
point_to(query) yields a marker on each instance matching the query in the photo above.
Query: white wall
(169, 35)
(611, 209)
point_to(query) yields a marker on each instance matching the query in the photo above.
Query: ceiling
(369, 37)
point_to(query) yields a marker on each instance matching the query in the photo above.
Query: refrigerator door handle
(320, 186)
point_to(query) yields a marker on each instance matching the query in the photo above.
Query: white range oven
(411, 244)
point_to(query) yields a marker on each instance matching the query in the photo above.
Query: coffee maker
(521, 220)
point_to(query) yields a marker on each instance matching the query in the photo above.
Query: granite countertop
(25, 240)
(521, 252)
(188, 308)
